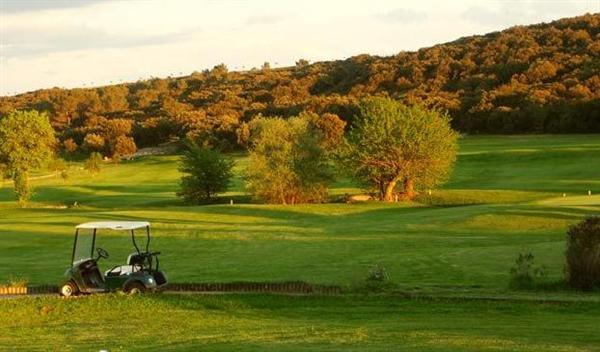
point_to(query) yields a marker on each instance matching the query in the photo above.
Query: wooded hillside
(526, 79)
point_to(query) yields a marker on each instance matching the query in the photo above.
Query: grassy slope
(504, 196)
(283, 323)
(514, 186)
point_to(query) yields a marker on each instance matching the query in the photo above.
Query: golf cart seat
(135, 263)
(90, 272)
(136, 259)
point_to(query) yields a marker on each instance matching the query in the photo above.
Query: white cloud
(403, 15)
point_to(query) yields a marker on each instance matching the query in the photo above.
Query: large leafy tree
(288, 163)
(393, 144)
(207, 172)
(26, 142)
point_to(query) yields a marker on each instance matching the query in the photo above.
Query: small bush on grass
(94, 163)
(57, 165)
(377, 281)
(525, 275)
(582, 268)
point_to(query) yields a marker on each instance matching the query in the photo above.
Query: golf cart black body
(140, 273)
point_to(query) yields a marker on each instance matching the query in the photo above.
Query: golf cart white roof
(114, 225)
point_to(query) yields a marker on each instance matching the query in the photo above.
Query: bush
(524, 274)
(94, 163)
(377, 280)
(57, 165)
(582, 269)
(64, 175)
(207, 173)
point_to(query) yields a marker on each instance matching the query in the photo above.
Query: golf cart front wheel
(135, 288)
(68, 289)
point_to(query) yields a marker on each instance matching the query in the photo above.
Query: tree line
(527, 79)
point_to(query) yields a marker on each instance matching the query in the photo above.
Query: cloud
(17, 6)
(21, 42)
(263, 19)
(522, 12)
(402, 15)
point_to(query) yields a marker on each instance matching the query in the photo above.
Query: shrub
(524, 274)
(94, 163)
(207, 172)
(377, 280)
(582, 269)
(57, 165)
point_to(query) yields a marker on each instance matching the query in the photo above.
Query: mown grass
(286, 323)
(504, 196)
(457, 243)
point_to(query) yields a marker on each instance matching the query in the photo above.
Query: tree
(94, 142)
(27, 142)
(70, 146)
(287, 163)
(391, 143)
(207, 172)
(331, 128)
(123, 146)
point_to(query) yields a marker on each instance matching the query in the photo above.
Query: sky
(85, 43)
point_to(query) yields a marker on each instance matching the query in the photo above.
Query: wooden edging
(294, 287)
(298, 287)
(10, 290)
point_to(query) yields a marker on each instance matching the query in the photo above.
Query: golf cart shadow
(140, 273)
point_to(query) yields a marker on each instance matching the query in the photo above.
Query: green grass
(504, 196)
(285, 323)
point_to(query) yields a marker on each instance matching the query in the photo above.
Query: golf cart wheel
(134, 288)
(68, 289)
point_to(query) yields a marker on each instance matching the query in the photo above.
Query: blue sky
(82, 43)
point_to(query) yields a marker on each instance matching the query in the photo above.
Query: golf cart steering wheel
(102, 253)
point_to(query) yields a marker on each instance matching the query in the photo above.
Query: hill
(526, 79)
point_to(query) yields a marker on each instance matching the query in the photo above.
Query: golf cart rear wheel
(134, 288)
(68, 289)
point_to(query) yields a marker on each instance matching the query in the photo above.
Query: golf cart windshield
(85, 236)
(84, 245)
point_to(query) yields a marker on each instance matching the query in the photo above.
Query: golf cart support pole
(74, 247)
(93, 244)
(133, 240)
(147, 238)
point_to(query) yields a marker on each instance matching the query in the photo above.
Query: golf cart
(139, 274)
